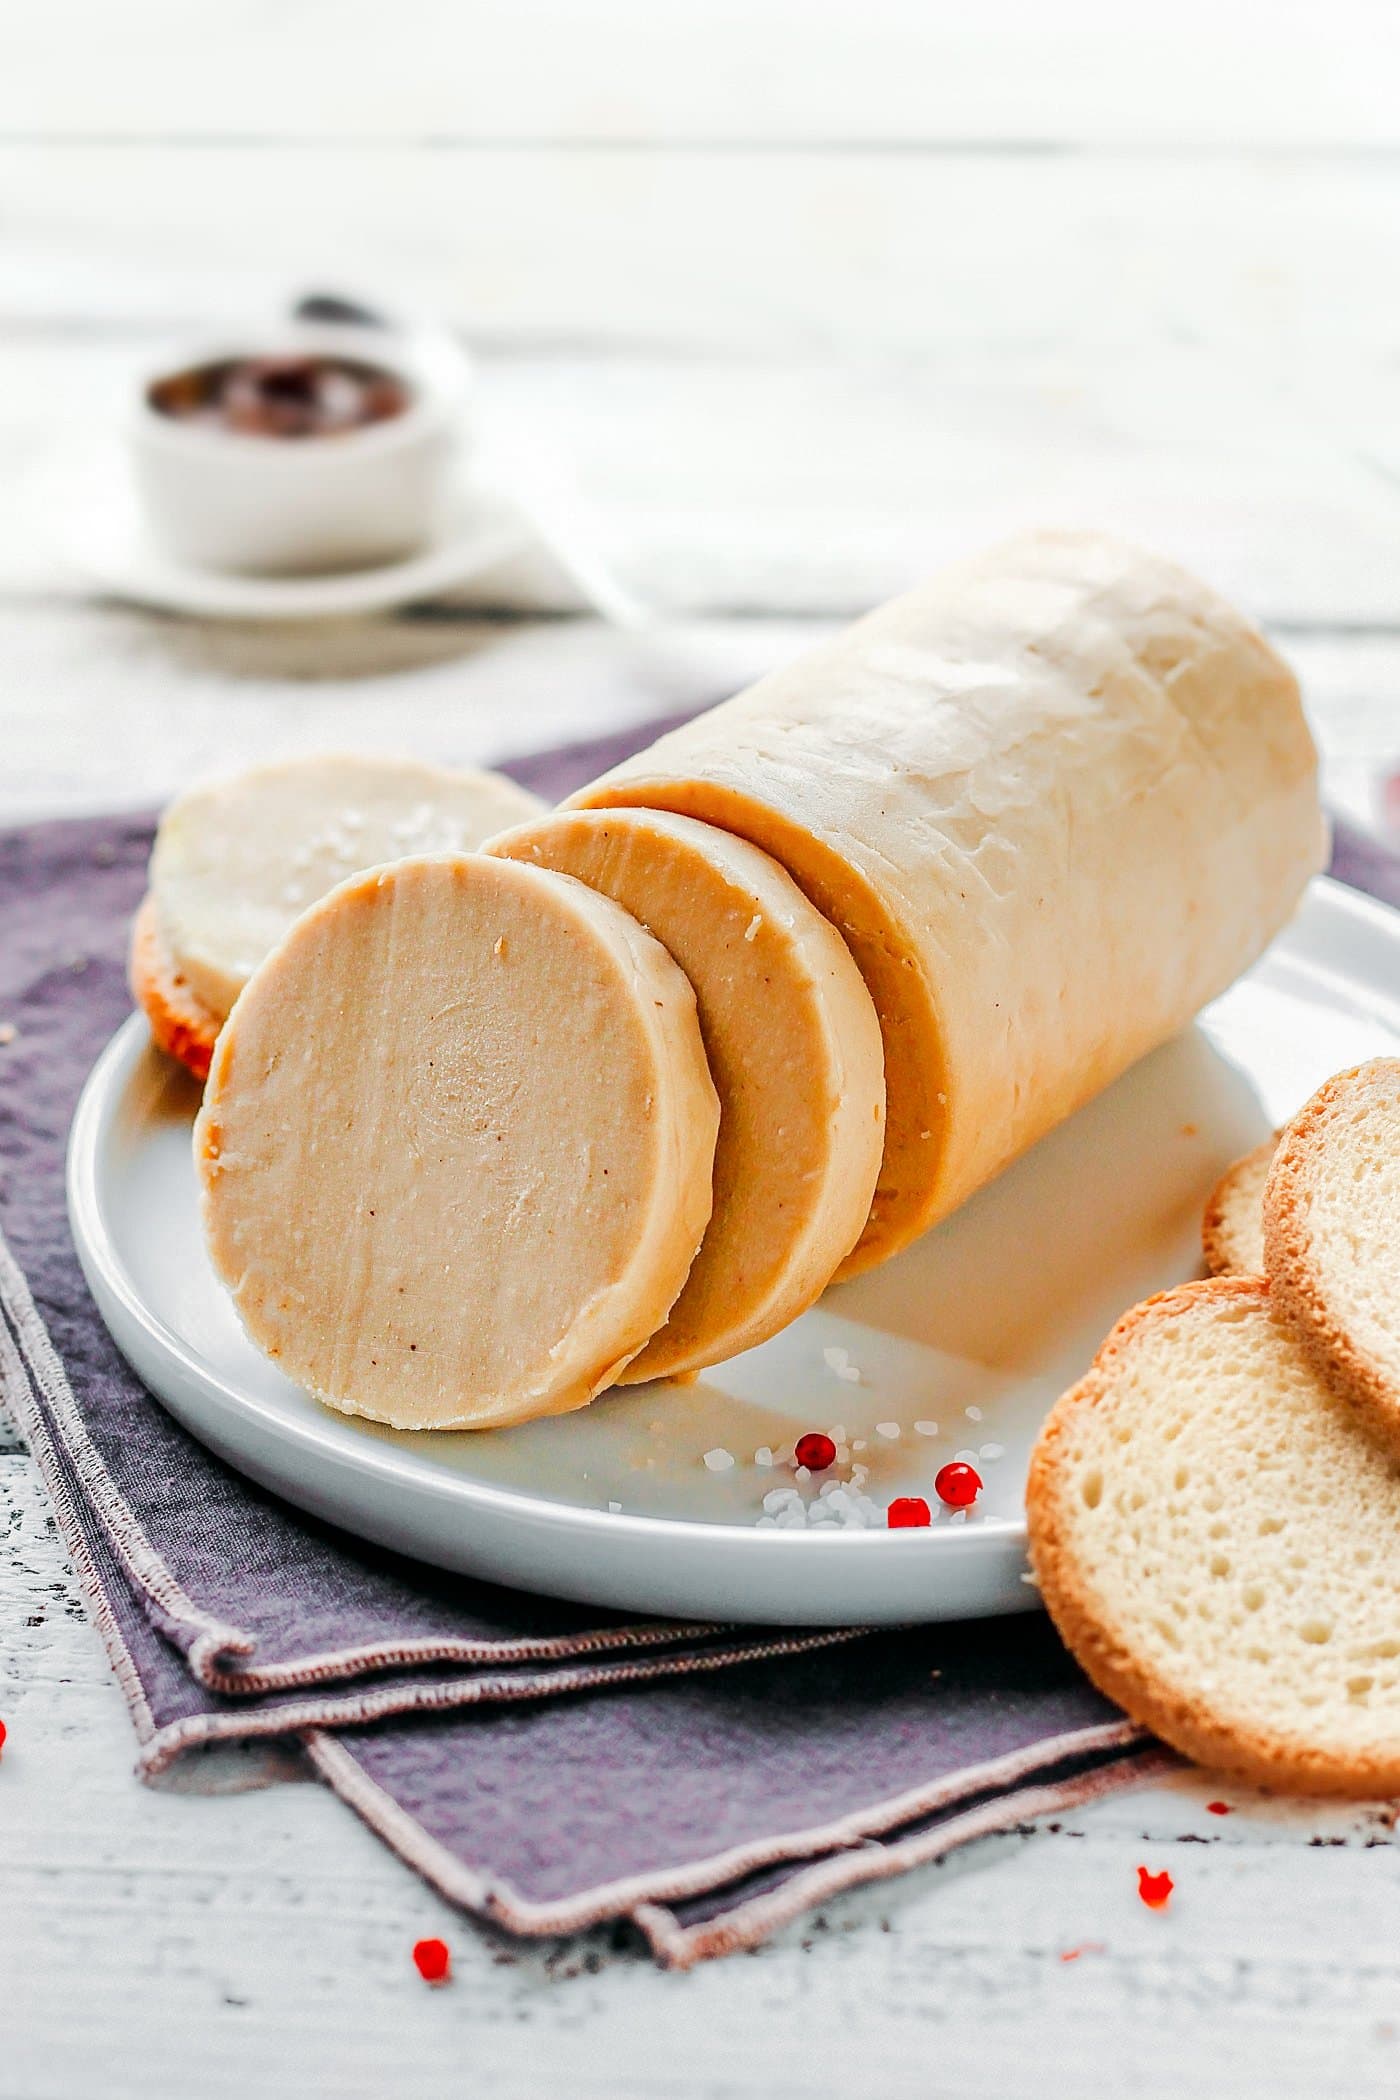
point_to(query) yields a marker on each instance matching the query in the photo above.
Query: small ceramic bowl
(217, 498)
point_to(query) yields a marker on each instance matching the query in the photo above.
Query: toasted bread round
(1232, 1230)
(1219, 1545)
(1332, 1237)
(181, 1024)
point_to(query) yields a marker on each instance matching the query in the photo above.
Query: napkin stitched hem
(142, 1565)
(854, 1839)
(680, 1946)
(24, 1411)
(359, 1709)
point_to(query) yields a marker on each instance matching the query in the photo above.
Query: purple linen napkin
(250, 1618)
(711, 1811)
(544, 1764)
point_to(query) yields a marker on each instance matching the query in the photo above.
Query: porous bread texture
(1232, 1230)
(1220, 1547)
(1332, 1237)
(181, 1024)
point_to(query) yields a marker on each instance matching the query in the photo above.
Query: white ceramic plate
(501, 545)
(103, 538)
(976, 1328)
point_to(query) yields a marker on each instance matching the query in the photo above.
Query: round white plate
(101, 535)
(976, 1329)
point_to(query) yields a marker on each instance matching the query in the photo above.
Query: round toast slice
(1332, 1237)
(181, 1024)
(1232, 1230)
(1219, 1545)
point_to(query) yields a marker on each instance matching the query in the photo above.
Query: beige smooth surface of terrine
(1055, 800)
(456, 1144)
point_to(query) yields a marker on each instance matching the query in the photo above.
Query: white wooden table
(803, 297)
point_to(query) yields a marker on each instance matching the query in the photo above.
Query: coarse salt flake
(974, 1414)
(888, 1430)
(719, 1460)
(836, 1507)
(925, 1429)
(991, 1451)
(763, 1456)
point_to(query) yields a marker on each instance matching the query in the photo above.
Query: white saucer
(99, 535)
(977, 1328)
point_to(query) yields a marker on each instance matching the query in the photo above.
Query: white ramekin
(218, 499)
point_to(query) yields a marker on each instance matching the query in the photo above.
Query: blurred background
(772, 307)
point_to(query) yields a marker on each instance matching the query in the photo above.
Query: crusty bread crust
(1186, 1723)
(1300, 1290)
(1232, 1212)
(181, 1024)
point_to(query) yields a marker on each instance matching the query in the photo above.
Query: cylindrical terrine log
(1056, 800)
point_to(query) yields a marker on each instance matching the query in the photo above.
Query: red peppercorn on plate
(867, 1464)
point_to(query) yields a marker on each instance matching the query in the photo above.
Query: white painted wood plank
(728, 70)
(734, 486)
(1279, 261)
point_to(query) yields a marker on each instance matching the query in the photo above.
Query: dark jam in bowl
(303, 396)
